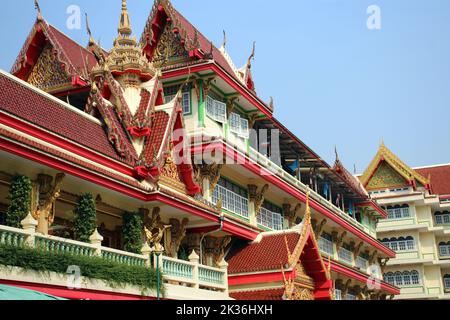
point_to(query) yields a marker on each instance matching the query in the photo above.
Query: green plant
(114, 274)
(85, 218)
(132, 232)
(20, 201)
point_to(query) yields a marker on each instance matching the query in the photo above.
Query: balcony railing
(280, 172)
(345, 256)
(192, 274)
(326, 246)
(186, 273)
(231, 201)
(271, 220)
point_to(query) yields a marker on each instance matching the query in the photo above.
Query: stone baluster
(96, 240)
(29, 224)
(195, 259)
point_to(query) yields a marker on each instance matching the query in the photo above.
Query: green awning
(15, 293)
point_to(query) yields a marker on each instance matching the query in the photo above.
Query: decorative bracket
(257, 197)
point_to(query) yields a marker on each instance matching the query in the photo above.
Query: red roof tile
(155, 140)
(268, 254)
(29, 105)
(259, 295)
(440, 178)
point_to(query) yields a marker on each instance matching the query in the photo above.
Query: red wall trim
(360, 277)
(229, 226)
(62, 292)
(236, 280)
(257, 169)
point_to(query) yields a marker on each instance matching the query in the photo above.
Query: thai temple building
(157, 161)
(417, 201)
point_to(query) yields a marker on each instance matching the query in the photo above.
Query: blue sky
(334, 81)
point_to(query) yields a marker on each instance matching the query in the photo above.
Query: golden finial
(271, 103)
(38, 9)
(252, 56)
(382, 142)
(337, 154)
(125, 25)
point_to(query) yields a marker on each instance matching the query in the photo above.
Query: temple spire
(124, 24)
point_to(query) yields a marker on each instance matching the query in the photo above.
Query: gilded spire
(124, 24)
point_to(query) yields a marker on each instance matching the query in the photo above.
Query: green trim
(236, 215)
(201, 107)
(264, 228)
(174, 82)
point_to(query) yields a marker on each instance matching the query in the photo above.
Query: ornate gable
(48, 73)
(169, 48)
(386, 177)
(386, 156)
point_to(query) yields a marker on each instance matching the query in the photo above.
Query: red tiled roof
(259, 295)
(440, 178)
(27, 104)
(78, 56)
(154, 142)
(268, 254)
(76, 59)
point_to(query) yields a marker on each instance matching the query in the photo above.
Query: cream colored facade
(422, 263)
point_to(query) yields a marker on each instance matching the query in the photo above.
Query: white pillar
(223, 265)
(96, 240)
(146, 251)
(195, 259)
(29, 224)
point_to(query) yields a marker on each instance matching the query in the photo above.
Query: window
(239, 125)
(234, 198)
(444, 249)
(216, 110)
(403, 279)
(398, 212)
(345, 254)
(400, 244)
(337, 294)
(171, 92)
(362, 263)
(326, 244)
(271, 216)
(442, 218)
(447, 281)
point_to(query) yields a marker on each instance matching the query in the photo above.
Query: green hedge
(112, 273)
(20, 197)
(85, 218)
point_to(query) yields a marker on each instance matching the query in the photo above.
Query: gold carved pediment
(48, 74)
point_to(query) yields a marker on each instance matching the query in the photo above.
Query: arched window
(415, 278)
(398, 212)
(442, 218)
(447, 281)
(403, 279)
(398, 279)
(400, 244)
(389, 277)
(444, 249)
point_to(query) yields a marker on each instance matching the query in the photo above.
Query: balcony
(181, 279)
(288, 178)
(326, 247)
(345, 256)
(362, 263)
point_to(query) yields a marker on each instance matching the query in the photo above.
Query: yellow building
(418, 224)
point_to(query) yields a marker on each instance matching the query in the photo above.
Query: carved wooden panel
(169, 48)
(48, 72)
(386, 177)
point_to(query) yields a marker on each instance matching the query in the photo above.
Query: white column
(96, 239)
(29, 224)
(195, 259)
(224, 267)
